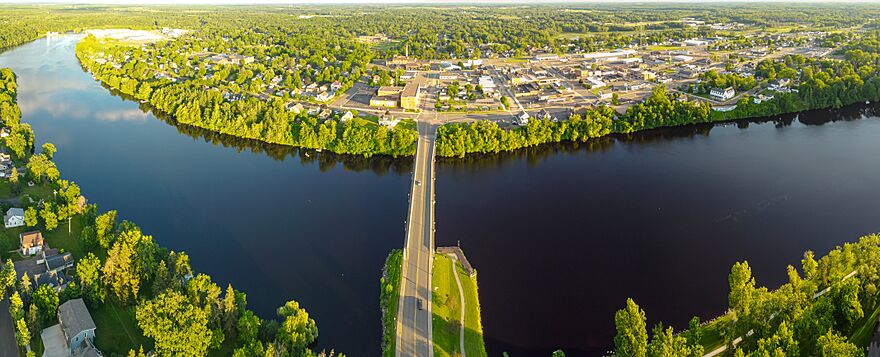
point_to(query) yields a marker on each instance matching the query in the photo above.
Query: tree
(632, 336)
(105, 225)
(809, 265)
(558, 353)
(22, 334)
(230, 311)
(30, 217)
(666, 344)
(13, 176)
(25, 283)
(120, 272)
(49, 218)
(297, 330)
(177, 326)
(742, 287)
(16, 306)
(834, 345)
(248, 327)
(7, 277)
(49, 149)
(88, 272)
(46, 300)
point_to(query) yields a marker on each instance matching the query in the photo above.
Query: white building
(14, 218)
(695, 43)
(722, 94)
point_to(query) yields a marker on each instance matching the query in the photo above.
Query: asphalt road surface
(414, 334)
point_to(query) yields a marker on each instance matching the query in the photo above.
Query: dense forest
(180, 311)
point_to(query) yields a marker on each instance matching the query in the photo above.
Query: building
(385, 102)
(74, 335)
(722, 94)
(388, 91)
(47, 267)
(682, 58)
(31, 242)
(762, 98)
(409, 97)
(613, 55)
(296, 108)
(695, 43)
(347, 116)
(388, 120)
(14, 218)
(546, 57)
(397, 60)
(522, 119)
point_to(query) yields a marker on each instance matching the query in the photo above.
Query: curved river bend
(561, 235)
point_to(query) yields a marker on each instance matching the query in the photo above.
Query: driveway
(8, 345)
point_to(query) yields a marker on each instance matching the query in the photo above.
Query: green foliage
(46, 300)
(297, 331)
(88, 273)
(178, 327)
(251, 118)
(833, 345)
(389, 291)
(631, 339)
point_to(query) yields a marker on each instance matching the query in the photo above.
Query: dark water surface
(280, 228)
(561, 235)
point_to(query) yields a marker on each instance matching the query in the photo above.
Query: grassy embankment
(117, 330)
(388, 298)
(446, 307)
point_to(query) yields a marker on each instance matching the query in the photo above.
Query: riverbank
(455, 297)
(222, 106)
(125, 278)
(388, 298)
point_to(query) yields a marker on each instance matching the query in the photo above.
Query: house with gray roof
(74, 334)
(14, 217)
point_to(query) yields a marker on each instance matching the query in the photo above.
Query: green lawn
(63, 237)
(446, 307)
(117, 331)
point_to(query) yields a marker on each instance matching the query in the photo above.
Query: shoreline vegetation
(143, 297)
(828, 308)
(189, 103)
(389, 294)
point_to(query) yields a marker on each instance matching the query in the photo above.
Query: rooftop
(75, 317)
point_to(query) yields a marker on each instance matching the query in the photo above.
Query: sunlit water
(276, 228)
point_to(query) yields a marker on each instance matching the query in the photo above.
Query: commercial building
(409, 97)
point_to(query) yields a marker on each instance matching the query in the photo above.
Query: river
(277, 225)
(560, 235)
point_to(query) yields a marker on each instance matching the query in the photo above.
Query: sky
(331, 2)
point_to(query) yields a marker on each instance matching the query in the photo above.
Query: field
(446, 307)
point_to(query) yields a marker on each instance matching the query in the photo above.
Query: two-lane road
(414, 334)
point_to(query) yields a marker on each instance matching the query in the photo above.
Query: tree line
(825, 309)
(190, 103)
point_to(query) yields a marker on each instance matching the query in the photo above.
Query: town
(499, 87)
